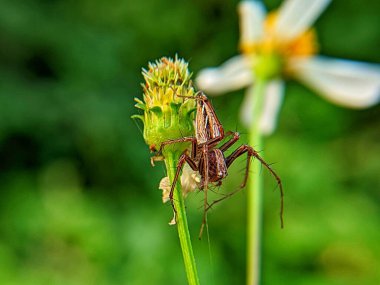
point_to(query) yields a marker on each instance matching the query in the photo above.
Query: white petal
(252, 15)
(296, 16)
(246, 110)
(272, 105)
(349, 83)
(274, 94)
(234, 74)
(190, 180)
(165, 187)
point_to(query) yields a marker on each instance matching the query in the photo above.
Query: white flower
(190, 181)
(282, 43)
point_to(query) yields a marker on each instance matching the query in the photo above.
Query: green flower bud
(166, 115)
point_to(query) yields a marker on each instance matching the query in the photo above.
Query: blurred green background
(79, 201)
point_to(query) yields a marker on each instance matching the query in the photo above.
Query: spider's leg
(182, 159)
(238, 152)
(231, 141)
(204, 174)
(224, 197)
(251, 152)
(180, 140)
(159, 157)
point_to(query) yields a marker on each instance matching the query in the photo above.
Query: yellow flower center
(276, 51)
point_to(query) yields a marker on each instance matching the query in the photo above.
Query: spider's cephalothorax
(207, 158)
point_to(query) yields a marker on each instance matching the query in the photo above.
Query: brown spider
(208, 159)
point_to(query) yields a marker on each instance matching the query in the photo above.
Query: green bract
(167, 115)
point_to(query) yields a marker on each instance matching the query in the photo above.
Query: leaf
(141, 117)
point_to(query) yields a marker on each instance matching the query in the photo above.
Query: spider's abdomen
(217, 168)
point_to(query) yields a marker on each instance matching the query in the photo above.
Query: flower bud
(167, 115)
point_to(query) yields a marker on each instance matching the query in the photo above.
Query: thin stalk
(171, 160)
(255, 190)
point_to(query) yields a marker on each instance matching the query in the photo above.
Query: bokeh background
(78, 198)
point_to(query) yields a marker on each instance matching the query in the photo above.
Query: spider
(208, 159)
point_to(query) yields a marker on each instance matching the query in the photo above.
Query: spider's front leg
(251, 152)
(159, 156)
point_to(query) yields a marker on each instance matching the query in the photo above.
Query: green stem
(171, 160)
(255, 189)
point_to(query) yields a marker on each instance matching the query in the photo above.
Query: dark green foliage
(79, 200)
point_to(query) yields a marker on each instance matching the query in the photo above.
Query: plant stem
(171, 160)
(255, 189)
